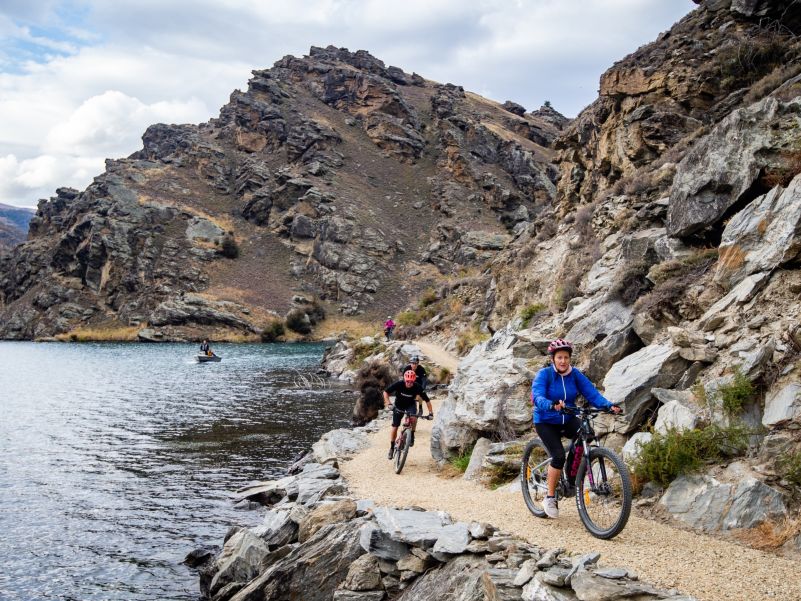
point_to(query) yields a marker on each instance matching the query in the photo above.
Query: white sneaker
(551, 507)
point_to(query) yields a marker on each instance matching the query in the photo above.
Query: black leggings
(551, 436)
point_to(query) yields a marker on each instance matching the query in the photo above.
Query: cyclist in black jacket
(406, 392)
(419, 371)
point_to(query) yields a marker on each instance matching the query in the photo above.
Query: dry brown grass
(101, 334)
(335, 325)
(769, 536)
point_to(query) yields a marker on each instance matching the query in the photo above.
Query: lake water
(116, 460)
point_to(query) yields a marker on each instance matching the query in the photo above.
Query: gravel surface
(705, 567)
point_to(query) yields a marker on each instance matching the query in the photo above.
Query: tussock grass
(769, 536)
(101, 334)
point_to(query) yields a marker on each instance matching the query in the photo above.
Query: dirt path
(707, 568)
(438, 355)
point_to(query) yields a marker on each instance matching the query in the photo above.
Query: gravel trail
(708, 568)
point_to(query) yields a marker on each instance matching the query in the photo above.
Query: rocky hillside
(332, 177)
(671, 257)
(13, 225)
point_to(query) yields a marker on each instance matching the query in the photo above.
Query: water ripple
(116, 460)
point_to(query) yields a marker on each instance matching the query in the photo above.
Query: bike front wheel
(534, 476)
(603, 493)
(402, 451)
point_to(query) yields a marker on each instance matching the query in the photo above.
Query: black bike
(596, 476)
(404, 439)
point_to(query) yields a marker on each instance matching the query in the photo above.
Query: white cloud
(118, 67)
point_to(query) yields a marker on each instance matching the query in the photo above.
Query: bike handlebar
(587, 411)
(410, 414)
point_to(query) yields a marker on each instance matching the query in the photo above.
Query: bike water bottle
(577, 455)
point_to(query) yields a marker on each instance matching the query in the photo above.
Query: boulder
(420, 528)
(673, 415)
(327, 513)
(710, 505)
(743, 292)
(782, 404)
(239, 561)
(762, 236)
(453, 539)
(277, 529)
(457, 580)
(477, 458)
(631, 450)
(603, 320)
(363, 574)
(630, 380)
(490, 390)
(611, 350)
(381, 544)
(337, 444)
(323, 560)
(723, 166)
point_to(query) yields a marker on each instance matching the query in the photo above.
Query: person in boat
(205, 349)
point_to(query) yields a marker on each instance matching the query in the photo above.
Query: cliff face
(670, 258)
(334, 175)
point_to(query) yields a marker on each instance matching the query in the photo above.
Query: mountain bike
(404, 438)
(596, 476)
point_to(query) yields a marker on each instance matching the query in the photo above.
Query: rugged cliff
(332, 176)
(13, 226)
(671, 258)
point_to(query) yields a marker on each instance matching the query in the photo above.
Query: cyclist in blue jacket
(554, 388)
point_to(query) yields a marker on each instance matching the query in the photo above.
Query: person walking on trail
(389, 327)
(406, 392)
(419, 370)
(554, 388)
(205, 349)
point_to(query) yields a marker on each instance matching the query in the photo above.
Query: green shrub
(790, 468)
(362, 350)
(530, 311)
(429, 298)
(667, 456)
(733, 397)
(272, 331)
(298, 321)
(566, 291)
(498, 475)
(460, 462)
(230, 249)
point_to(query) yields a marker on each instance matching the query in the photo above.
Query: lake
(116, 460)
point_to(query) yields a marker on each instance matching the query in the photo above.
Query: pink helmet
(560, 345)
(409, 376)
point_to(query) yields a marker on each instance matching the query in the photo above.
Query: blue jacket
(549, 387)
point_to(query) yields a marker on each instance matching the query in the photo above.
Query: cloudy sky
(80, 80)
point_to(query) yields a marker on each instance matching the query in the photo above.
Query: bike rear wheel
(534, 476)
(402, 451)
(603, 493)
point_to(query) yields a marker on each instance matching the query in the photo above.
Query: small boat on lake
(209, 358)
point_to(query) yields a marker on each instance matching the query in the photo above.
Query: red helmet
(409, 376)
(560, 345)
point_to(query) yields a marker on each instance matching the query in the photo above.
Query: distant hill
(13, 225)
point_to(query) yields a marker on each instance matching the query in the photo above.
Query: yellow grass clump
(101, 334)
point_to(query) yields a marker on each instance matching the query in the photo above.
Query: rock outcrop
(303, 184)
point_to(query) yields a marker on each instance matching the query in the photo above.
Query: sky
(80, 80)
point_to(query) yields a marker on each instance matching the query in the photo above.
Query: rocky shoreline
(318, 542)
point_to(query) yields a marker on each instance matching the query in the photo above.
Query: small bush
(315, 311)
(530, 311)
(469, 339)
(362, 350)
(371, 380)
(460, 462)
(566, 291)
(444, 375)
(781, 175)
(429, 298)
(667, 456)
(733, 397)
(672, 279)
(298, 321)
(273, 331)
(790, 468)
(631, 282)
(229, 249)
(498, 475)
